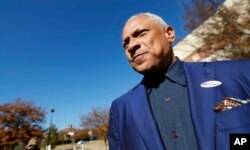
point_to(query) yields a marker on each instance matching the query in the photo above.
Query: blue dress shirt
(168, 99)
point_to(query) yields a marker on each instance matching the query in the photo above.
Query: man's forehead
(135, 24)
(138, 20)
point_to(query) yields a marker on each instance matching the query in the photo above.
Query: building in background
(193, 47)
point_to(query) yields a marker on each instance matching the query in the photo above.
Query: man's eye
(142, 34)
(125, 45)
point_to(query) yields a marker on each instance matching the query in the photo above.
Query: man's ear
(169, 33)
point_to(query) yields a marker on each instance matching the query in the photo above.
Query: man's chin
(147, 71)
(142, 71)
(143, 68)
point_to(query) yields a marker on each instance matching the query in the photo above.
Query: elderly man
(177, 105)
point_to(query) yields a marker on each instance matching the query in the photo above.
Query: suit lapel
(143, 118)
(202, 102)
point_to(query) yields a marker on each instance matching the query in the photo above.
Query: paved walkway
(93, 145)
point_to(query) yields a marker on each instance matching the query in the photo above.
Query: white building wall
(192, 42)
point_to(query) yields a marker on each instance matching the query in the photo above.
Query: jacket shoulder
(242, 63)
(124, 98)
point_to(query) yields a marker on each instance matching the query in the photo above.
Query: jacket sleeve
(113, 138)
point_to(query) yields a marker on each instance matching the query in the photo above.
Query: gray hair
(157, 19)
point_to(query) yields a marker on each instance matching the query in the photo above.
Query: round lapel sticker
(209, 84)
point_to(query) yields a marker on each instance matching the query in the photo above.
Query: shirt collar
(176, 72)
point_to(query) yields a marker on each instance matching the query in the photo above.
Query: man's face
(147, 46)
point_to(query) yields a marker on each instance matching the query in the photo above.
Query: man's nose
(133, 47)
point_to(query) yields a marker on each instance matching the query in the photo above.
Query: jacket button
(174, 134)
(166, 99)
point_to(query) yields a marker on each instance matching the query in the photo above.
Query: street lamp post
(50, 126)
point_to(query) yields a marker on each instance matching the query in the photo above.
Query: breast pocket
(235, 120)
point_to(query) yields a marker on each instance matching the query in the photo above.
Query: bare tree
(198, 11)
(225, 28)
(19, 121)
(97, 120)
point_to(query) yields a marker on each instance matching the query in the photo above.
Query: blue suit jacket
(132, 126)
